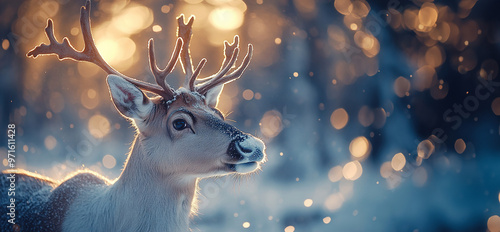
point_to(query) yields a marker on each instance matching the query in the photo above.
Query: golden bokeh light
(109, 161)
(335, 173)
(460, 146)
(157, 28)
(398, 162)
(334, 202)
(494, 223)
(424, 77)
(360, 8)
(366, 116)
(226, 18)
(50, 142)
(99, 126)
(193, 1)
(116, 51)
(495, 106)
(289, 229)
(428, 14)
(89, 99)
(434, 56)
(246, 225)
(248, 94)
(402, 87)
(352, 170)
(360, 147)
(270, 124)
(308, 203)
(132, 19)
(327, 220)
(305, 6)
(386, 170)
(425, 149)
(5, 44)
(380, 117)
(343, 6)
(339, 118)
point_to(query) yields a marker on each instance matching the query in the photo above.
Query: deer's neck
(150, 201)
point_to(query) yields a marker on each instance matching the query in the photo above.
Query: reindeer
(181, 137)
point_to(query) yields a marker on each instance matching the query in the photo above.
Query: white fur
(157, 188)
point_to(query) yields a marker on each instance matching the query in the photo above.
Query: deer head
(181, 131)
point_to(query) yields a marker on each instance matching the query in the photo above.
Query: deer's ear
(212, 95)
(129, 100)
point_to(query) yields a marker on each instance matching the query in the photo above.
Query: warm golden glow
(157, 28)
(89, 99)
(386, 169)
(424, 77)
(246, 224)
(248, 94)
(366, 116)
(270, 124)
(352, 170)
(495, 106)
(334, 202)
(343, 6)
(112, 50)
(109, 161)
(359, 147)
(50, 142)
(289, 229)
(226, 18)
(339, 118)
(5, 44)
(132, 19)
(425, 149)
(494, 223)
(460, 146)
(428, 14)
(434, 56)
(402, 86)
(308, 202)
(335, 174)
(398, 162)
(99, 126)
(327, 220)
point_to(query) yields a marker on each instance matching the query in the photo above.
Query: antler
(231, 52)
(185, 32)
(90, 53)
(221, 77)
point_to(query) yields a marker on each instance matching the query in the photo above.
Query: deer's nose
(249, 149)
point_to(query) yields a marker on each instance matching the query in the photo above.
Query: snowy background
(377, 115)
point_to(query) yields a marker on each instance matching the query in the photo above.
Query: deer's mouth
(243, 168)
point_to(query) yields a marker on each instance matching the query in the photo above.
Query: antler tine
(230, 77)
(160, 75)
(229, 50)
(90, 53)
(185, 31)
(196, 73)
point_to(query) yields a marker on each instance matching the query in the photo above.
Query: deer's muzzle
(245, 154)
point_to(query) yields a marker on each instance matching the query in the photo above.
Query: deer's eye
(179, 124)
